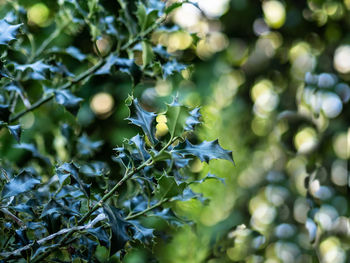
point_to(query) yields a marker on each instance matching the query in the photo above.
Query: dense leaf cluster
(75, 206)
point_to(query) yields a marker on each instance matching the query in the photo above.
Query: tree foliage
(74, 206)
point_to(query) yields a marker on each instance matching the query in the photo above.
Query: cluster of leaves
(81, 209)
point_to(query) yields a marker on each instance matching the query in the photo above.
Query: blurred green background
(249, 60)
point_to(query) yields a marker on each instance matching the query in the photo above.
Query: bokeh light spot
(38, 14)
(305, 140)
(342, 59)
(102, 104)
(274, 13)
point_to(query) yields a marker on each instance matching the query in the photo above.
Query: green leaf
(172, 7)
(177, 116)
(147, 16)
(55, 207)
(87, 147)
(16, 131)
(33, 150)
(147, 53)
(141, 15)
(172, 67)
(193, 120)
(70, 170)
(38, 69)
(139, 142)
(205, 151)
(75, 53)
(188, 194)
(144, 234)
(68, 100)
(22, 183)
(142, 118)
(100, 234)
(207, 177)
(8, 32)
(167, 187)
(93, 169)
(119, 228)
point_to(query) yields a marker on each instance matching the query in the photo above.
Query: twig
(13, 217)
(103, 200)
(48, 41)
(17, 252)
(42, 101)
(132, 216)
(144, 33)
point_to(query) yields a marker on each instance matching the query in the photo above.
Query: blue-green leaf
(55, 207)
(205, 151)
(143, 119)
(22, 183)
(33, 150)
(70, 170)
(16, 131)
(68, 100)
(172, 67)
(193, 120)
(87, 147)
(8, 32)
(119, 228)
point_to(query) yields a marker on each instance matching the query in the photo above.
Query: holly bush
(269, 79)
(62, 199)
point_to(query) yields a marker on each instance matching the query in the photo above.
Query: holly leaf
(33, 150)
(8, 32)
(172, 67)
(177, 116)
(193, 120)
(87, 147)
(22, 183)
(205, 151)
(172, 7)
(145, 235)
(70, 170)
(16, 131)
(187, 194)
(167, 187)
(122, 64)
(142, 118)
(68, 100)
(140, 146)
(95, 168)
(147, 53)
(55, 207)
(75, 53)
(38, 69)
(207, 177)
(119, 228)
(100, 234)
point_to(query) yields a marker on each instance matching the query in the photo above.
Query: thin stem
(114, 189)
(132, 216)
(13, 217)
(42, 101)
(83, 75)
(3, 171)
(127, 176)
(52, 236)
(47, 42)
(144, 33)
